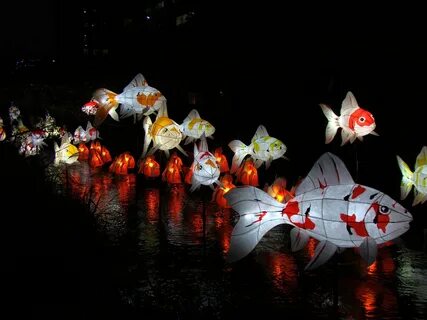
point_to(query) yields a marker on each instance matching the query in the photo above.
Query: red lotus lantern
(278, 190)
(247, 174)
(83, 151)
(96, 145)
(221, 160)
(172, 173)
(95, 159)
(122, 163)
(149, 167)
(105, 154)
(218, 195)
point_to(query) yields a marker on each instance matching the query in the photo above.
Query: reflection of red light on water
(176, 203)
(124, 187)
(284, 272)
(311, 247)
(152, 201)
(372, 268)
(197, 223)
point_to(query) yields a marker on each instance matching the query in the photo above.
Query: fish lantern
(247, 174)
(328, 206)
(91, 107)
(95, 158)
(80, 135)
(418, 178)
(83, 151)
(278, 190)
(105, 154)
(96, 145)
(164, 132)
(221, 160)
(66, 153)
(193, 127)
(149, 167)
(354, 121)
(263, 148)
(225, 186)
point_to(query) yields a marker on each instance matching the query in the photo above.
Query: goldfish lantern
(96, 145)
(354, 121)
(95, 158)
(105, 155)
(164, 132)
(278, 190)
(221, 160)
(418, 178)
(247, 174)
(221, 190)
(149, 167)
(83, 151)
(137, 99)
(91, 132)
(66, 153)
(90, 108)
(328, 206)
(204, 167)
(263, 148)
(194, 127)
(80, 135)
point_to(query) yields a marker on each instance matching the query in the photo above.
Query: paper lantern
(193, 127)
(418, 178)
(122, 163)
(278, 190)
(164, 132)
(205, 169)
(221, 190)
(96, 145)
(95, 158)
(172, 173)
(221, 160)
(80, 135)
(83, 151)
(149, 167)
(263, 148)
(247, 174)
(328, 206)
(105, 154)
(354, 121)
(90, 108)
(2, 131)
(66, 153)
(91, 132)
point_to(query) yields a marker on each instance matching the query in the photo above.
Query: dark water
(163, 254)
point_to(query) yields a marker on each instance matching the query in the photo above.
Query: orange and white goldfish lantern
(105, 154)
(221, 160)
(149, 167)
(193, 127)
(417, 179)
(328, 206)
(354, 121)
(2, 131)
(247, 174)
(95, 158)
(205, 169)
(80, 135)
(66, 152)
(263, 148)
(225, 186)
(83, 151)
(278, 190)
(164, 132)
(137, 99)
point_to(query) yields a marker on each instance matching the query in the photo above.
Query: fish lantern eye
(199, 167)
(362, 119)
(384, 210)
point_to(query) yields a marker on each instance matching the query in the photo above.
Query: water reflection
(173, 246)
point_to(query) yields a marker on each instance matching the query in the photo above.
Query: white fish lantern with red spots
(328, 206)
(2, 131)
(354, 121)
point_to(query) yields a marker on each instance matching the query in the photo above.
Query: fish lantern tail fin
(258, 213)
(333, 124)
(107, 105)
(240, 152)
(407, 178)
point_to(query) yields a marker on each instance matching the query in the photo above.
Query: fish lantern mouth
(363, 131)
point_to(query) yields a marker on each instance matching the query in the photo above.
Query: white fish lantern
(2, 131)
(416, 179)
(66, 152)
(328, 206)
(354, 121)
(205, 169)
(193, 127)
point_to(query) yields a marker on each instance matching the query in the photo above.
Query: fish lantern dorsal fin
(192, 115)
(260, 133)
(137, 82)
(421, 158)
(329, 170)
(349, 104)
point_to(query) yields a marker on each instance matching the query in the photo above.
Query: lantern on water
(83, 151)
(247, 174)
(172, 173)
(149, 167)
(221, 190)
(95, 159)
(278, 190)
(96, 145)
(221, 160)
(105, 154)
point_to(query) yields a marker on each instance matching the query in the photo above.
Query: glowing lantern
(129, 160)
(221, 160)
(223, 188)
(105, 154)
(278, 190)
(2, 131)
(95, 158)
(247, 174)
(122, 163)
(172, 173)
(328, 206)
(96, 145)
(83, 151)
(149, 167)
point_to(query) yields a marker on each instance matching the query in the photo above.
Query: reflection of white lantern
(327, 206)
